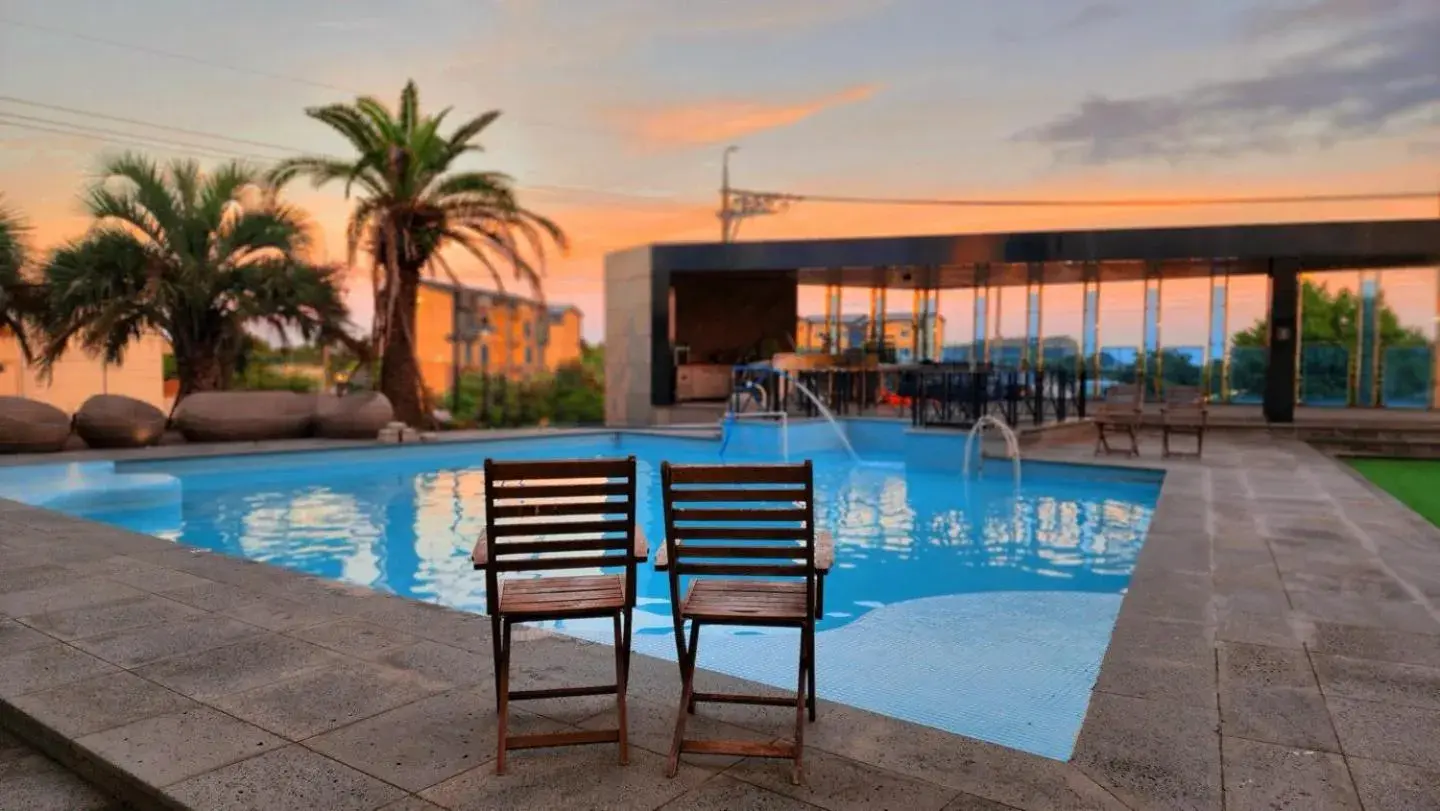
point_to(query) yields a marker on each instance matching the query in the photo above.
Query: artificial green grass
(1416, 482)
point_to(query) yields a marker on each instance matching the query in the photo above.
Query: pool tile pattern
(1279, 648)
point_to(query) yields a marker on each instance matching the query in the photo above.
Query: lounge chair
(1119, 410)
(591, 503)
(1184, 412)
(772, 536)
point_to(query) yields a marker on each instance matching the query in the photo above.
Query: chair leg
(687, 699)
(620, 668)
(797, 775)
(502, 731)
(1165, 443)
(810, 701)
(495, 647)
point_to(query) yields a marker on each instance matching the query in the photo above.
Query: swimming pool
(955, 605)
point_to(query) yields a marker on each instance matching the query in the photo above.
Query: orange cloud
(727, 119)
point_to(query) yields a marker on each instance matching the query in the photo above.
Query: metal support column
(1367, 341)
(1217, 348)
(1034, 354)
(1090, 324)
(980, 352)
(1284, 341)
(1151, 369)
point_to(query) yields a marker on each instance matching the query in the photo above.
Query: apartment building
(498, 333)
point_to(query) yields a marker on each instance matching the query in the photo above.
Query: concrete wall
(77, 376)
(628, 337)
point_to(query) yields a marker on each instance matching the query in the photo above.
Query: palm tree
(413, 205)
(19, 298)
(194, 257)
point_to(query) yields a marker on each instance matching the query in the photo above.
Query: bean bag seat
(354, 416)
(30, 426)
(114, 421)
(244, 416)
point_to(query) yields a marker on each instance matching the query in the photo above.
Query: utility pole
(738, 204)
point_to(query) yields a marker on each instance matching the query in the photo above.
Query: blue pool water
(958, 606)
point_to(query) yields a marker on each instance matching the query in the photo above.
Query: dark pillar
(1284, 308)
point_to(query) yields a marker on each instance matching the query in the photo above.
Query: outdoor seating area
(536, 510)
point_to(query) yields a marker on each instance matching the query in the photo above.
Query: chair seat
(745, 600)
(562, 596)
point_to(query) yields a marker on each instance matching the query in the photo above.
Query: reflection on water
(407, 527)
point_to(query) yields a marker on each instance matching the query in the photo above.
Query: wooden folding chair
(773, 536)
(1184, 413)
(1119, 410)
(557, 515)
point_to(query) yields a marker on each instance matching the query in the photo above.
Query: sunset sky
(616, 111)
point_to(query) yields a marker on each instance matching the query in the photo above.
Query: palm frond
(409, 107)
(462, 136)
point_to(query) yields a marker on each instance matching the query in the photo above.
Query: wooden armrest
(662, 558)
(824, 551)
(480, 555)
(642, 547)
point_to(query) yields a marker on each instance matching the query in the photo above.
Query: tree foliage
(193, 257)
(20, 300)
(413, 203)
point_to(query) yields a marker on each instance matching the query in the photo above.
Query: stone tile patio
(1279, 648)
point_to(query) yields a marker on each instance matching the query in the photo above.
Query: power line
(144, 140)
(264, 74)
(150, 125)
(280, 77)
(128, 139)
(1091, 203)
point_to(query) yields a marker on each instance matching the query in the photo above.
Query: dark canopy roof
(950, 261)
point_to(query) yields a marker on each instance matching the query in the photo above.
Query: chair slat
(740, 514)
(595, 508)
(508, 492)
(740, 570)
(559, 528)
(560, 469)
(737, 474)
(542, 547)
(559, 562)
(787, 552)
(724, 533)
(738, 495)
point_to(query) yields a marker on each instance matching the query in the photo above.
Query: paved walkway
(1279, 648)
(29, 781)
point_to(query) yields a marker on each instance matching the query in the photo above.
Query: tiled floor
(1279, 648)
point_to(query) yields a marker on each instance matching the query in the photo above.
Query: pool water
(952, 604)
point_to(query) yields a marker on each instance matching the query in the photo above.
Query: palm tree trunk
(199, 368)
(399, 370)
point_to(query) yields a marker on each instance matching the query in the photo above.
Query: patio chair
(1119, 410)
(591, 504)
(1184, 413)
(772, 536)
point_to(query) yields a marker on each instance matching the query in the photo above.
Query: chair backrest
(1184, 395)
(570, 514)
(1184, 399)
(1121, 397)
(739, 521)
